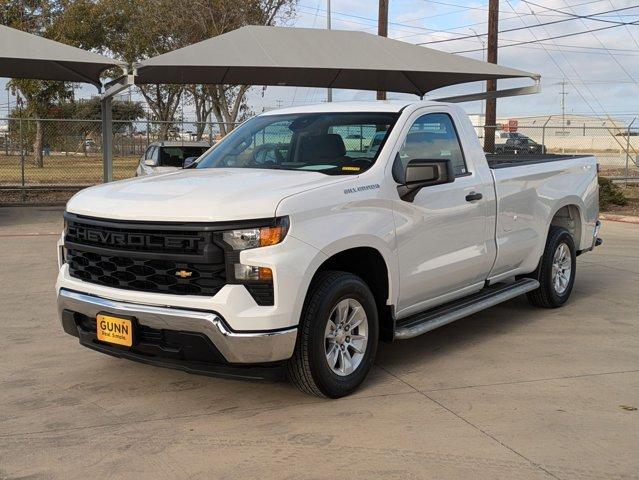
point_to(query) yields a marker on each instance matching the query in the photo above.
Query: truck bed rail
(502, 160)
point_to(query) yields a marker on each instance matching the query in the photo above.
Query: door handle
(473, 196)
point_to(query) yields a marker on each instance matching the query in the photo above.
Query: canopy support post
(106, 104)
(107, 139)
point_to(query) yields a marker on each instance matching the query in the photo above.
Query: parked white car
(283, 251)
(168, 156)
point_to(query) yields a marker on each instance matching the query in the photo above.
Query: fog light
(250, 272)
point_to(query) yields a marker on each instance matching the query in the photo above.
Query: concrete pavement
(512, 392)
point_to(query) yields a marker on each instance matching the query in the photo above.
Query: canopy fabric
(259, 55)
(23, 55)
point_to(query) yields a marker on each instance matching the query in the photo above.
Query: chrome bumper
(236, 347)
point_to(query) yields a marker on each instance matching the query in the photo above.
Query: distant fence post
(628, 149)
(24, 193)
(543, 136)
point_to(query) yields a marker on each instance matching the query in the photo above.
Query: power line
(373, 25)
(405, 25)
(552, 59)
(563, 11)
(572, 17)
(484, 9)
(553, 38)
(577, 74)
(603, 45)
(537, 46)
(627, 28)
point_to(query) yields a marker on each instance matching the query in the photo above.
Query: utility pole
(483, 59)
(329, 91)
(563, 94)
(491, 85)
(382, 31)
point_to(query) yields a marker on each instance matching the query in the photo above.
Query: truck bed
(501, 160)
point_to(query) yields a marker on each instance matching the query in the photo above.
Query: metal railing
(46, 160)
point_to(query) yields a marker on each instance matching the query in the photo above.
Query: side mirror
(150, 163)
(189, 161)
(419, 174)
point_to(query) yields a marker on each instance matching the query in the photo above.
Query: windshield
(330, 143)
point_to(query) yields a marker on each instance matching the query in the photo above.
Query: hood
(197, 195)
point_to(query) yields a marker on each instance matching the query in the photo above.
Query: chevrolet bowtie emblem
(183, 274)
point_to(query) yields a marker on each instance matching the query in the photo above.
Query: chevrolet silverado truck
(307, 235)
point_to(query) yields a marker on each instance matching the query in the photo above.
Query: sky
(600, 69)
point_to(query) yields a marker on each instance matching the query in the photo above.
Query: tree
(141, 29)
(203, 107)
(228, 101)
(216, 17)
(124, 115)
(124, 112)
(42, 97)
(61, 20)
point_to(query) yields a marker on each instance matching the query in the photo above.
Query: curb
(619, 218)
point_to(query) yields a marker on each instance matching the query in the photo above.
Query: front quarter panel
(349, 214)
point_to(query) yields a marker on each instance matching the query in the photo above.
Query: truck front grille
(147, 275)
(157, 258)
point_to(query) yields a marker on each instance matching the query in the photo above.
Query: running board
(420, 323)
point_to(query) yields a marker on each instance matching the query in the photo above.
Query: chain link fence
(616, 148)
(47, 160)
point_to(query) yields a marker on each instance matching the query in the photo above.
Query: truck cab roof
(179, 143)
(370, 106)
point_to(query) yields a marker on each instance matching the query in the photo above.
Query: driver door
(444, 239)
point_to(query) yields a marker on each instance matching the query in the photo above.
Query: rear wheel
(337, 339)
(556, 270)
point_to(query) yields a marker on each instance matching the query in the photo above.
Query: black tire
(308, 368)
(546, 295)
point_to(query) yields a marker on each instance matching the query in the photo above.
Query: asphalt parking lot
(513, 392)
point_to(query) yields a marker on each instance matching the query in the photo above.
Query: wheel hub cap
(346, 337)
(561, 268)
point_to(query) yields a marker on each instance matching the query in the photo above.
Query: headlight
(245, 238)
(256, 237)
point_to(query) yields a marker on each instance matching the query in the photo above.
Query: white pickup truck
(308, 234)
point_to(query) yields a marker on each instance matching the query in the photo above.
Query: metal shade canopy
(306, 57)
(23, 55)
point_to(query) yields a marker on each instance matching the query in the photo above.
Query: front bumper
(235, 348)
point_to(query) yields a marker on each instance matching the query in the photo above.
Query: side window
(433, 137)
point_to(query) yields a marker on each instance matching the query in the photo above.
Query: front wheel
(337, 339)
(556, 270)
